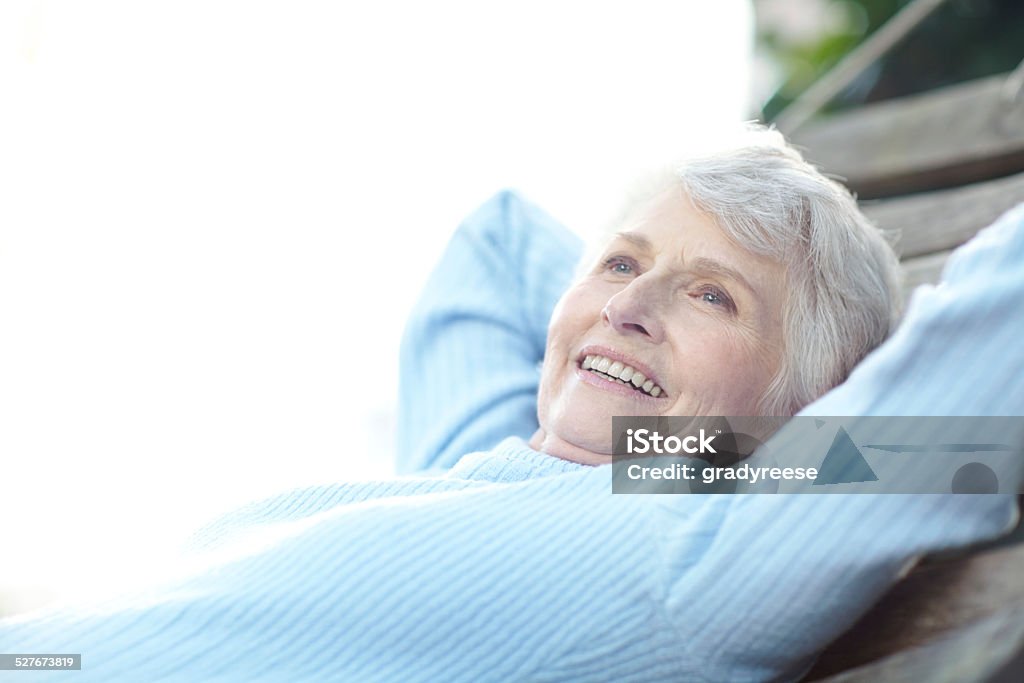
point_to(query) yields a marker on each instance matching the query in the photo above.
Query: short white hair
(843, 277)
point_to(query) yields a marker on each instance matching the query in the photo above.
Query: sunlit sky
(215, 216)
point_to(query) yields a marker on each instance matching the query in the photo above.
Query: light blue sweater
(514, 565)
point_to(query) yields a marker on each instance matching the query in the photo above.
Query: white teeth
(617, 371)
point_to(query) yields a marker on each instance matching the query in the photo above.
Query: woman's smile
(620, 374)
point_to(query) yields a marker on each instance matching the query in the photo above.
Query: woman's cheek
(570, 316)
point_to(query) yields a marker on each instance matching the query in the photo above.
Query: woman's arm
(469, 356)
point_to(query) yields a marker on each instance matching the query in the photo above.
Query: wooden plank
(943, 138)
(980, 651)
(942, 220)
(937, 598)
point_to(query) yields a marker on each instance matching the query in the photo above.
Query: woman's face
(689, 322)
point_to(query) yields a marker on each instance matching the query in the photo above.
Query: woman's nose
(635, 311)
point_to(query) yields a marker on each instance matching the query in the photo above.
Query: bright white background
(215, 215)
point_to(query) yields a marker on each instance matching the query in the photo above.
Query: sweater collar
(509, 461)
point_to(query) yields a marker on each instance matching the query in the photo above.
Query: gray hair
(842, 274)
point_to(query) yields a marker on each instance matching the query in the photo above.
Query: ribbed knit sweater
(514, 565)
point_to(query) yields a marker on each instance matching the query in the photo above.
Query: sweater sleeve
(472, 346)
(958, 350)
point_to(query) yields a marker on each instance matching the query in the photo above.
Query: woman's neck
(552, 445)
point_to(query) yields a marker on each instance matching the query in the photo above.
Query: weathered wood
(980, 651)
(936, 598)
(941, 220)
(943, 138)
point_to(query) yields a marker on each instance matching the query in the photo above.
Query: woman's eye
(619, 266)
(716, 298)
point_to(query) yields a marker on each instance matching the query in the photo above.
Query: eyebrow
(636, 239)
(702, 264)
(717, 268)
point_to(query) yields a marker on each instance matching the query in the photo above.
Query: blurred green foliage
(962, 40)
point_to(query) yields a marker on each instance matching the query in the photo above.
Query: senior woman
(519, 563)
(741, 283)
